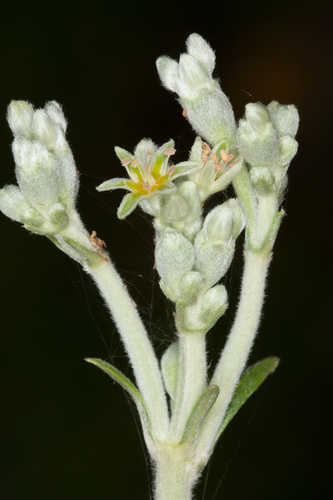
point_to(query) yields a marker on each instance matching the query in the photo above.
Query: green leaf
(115, 183)
(249, 382)
(128, 204)
(199, 413)
(126, 384)
(169, 366)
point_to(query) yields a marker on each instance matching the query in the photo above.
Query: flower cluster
(45, 169)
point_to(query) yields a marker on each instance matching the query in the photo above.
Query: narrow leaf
(199, 413)
(249, 382)
(169, 366)
(126, 384)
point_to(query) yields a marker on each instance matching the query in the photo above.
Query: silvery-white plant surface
(182, 412)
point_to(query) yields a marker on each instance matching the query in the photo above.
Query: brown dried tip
(205, 151)
(99, 244)
(184, 113)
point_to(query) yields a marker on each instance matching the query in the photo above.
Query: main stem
(174, 475)
(237, 348)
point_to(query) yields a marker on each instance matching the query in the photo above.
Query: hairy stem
(174, 475)
(237, 348)
(192, 375)
(136, 342)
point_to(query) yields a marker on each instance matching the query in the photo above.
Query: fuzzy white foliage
(284, 117)
(174, 256)
(207, 107)
(258, 139)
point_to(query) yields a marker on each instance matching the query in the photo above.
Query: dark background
(67, 431)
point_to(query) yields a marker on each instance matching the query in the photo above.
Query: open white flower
(149, 173)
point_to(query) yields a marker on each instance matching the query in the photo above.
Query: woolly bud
(36, 172)
(201, 316)
(284, 117)
(257, 137)
(19, 116)
(174, 256)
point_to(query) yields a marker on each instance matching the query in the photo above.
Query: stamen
(205, 152)
(184, 113)
(170, 152)
(225, 156)
(125, 162)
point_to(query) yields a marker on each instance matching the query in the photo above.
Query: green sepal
(184, 168)
(115, 183)
(123, 155)
(199, 413)
(249, 382)
(128, 204)
(128, 386)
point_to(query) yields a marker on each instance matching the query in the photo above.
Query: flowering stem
(136, 342)
(192, 375)
(237, 348)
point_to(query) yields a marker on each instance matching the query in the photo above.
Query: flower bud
(207, 107)
(203, 314)
(224, 221)
(258, 140)
(262, 179)
(288, 147)
(284, 117)
(12, 203)
(54, 110)
(19, 116)
(198, 48)
(58, 216)
(213, 259)
(183, 209)
(212, 116)
(190, 286)
(36, 172)
(174, 256)
(44, 129)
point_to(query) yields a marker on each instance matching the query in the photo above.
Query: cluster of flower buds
(266, 140)
(190, 271)
(205, 104)
(45, 169)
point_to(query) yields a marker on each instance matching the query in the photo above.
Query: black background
(67, 431)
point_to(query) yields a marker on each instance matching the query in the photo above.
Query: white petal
(12, 202)
(56, 114)
(168, 72)
(44, 128)
(144, 150)
(201, 51)
(19, 116)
